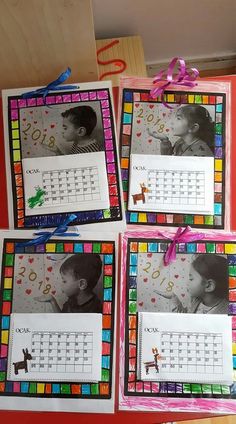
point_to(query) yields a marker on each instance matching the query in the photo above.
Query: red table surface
(118, 417)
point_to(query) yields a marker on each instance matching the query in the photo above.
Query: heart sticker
(28, 291)
(31, 260)
(138, 134)
(18, 281)
(153, 299)
(49, 269)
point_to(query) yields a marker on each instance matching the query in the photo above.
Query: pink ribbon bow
(182, 235)
(184, 77)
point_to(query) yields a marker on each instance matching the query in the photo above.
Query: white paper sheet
(171, 184)
(55, 347)
(67, 183)
(185, 348)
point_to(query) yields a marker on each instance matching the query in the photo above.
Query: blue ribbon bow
(44, 236)
(52, 86)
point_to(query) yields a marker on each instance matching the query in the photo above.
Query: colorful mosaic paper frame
(130, 97)
(168, 395)
(15, 103)
(84, 390)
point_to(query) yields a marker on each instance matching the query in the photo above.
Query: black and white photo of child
(185, 130)
(192, 284)
(195, 129)
(58, 283)
(80, 274)
(61, 129)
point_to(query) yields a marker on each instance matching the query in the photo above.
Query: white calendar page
(67, 183)
(185, 348)
(171, 184)
(55, 347)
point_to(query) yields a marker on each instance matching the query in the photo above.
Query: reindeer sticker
(22, 365)
(140, 196)
(153, 364)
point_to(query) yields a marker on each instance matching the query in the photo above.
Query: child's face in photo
(181, 125)
(69, 284)
(69, 131)
(196, 285)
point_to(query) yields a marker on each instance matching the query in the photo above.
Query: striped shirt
(92, 146)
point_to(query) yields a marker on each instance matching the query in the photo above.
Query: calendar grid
(176, 187)
(61, 352)
(71, 185)
(191, 352)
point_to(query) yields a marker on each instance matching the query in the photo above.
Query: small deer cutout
(153, 364)
(22, 365)
(140, 196)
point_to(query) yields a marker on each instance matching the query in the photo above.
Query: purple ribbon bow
(182, 235)
(184, 77)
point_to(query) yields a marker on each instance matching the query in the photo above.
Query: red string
(117, 62)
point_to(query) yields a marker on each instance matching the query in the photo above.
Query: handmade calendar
(76, 181)
(61, 157)
(48, 347)
(57, 315)
(185, 348)
(175, 154)
(171, 184)
(178, 326)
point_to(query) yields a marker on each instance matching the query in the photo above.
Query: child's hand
(44, 298)
(176, 305)
(155, 134)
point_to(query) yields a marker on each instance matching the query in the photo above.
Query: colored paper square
(65, 389)
(198, 219)
(15, 134)
(198, 98)
(220, 248)
(201, 248)
(128, 107)
(210, 247)
(191, 247)
(218, 177)
(191, 98)
(40, 388)
(97, 248)
(218, 165)
(128, 95)
(205, 100)
(106, 321)
(7, 294)
(142, 217)
(170, 98)
(142, 247)
(136, 97)
(16, 155)
(230, 248)
(132, 294)
(5, 322)
(4, 336)
(50, 247)
(208, 219)
(232, 282)
(134, 217)
(152, 247)
(68, 247)
(219, 108)
(16, 144)
(127, 118)
(7, 283)
(218, 208)
(133, 246)
(125, 163)
(104, 389)
(88, 247)
(126, 129)
(6, 308)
